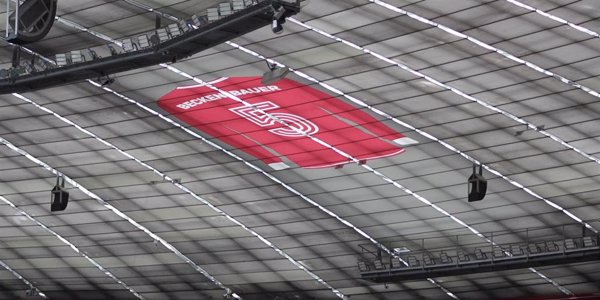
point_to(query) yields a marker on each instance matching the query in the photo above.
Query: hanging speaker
(278, 19)
(36, 17)
(477, 185)
(60, 196)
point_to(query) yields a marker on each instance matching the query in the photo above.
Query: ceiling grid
(186, 185)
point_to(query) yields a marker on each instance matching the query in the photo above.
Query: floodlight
(238, 5)
(378, 264)
(41, 65)
(163, 35)
(274, 74)
(174, 29)
(112, 49)
(77, 57)
(18, 71)
(143, 40)
(129, 45)
(28, 67)
(225, 9)
(212, 14)
(60, 197)
(363, 266)
(199, 20)
(588, 242)
(477, 185)
(185, 26)
(61, 59)
(93, 54)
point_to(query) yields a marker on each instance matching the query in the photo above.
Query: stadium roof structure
(160, 209)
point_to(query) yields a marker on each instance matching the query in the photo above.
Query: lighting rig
(165, 44)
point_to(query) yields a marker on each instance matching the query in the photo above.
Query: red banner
(307, 110)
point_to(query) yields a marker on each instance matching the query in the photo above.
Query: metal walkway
(159, 50)
(435, 257)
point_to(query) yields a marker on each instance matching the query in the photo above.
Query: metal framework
(532, 247)
(193, 41)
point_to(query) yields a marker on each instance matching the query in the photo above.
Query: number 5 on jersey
(257, 114)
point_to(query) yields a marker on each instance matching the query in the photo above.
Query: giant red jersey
(308, 110)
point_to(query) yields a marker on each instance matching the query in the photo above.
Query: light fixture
(199, 20)
(143, 41)
(477, 185)
(112, 49)
(174, 30)
(274, 74)
(60, 197)
(225, 9)
(238, 5)
(77, 57)
(163, 35)
(93, 54)
(61, 59)
(128, 45)
(184, 25)
(212, 14)
(28, 67)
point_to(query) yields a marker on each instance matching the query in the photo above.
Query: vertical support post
(423, 253)
(492, 246)
(157, 21)
(390, 260)
(564, 238)
(16, 56)
(18, 2)
(7, 14)
(457, 250)
(527, 242)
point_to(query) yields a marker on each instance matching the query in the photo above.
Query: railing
(140, 41)
(468, 253)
